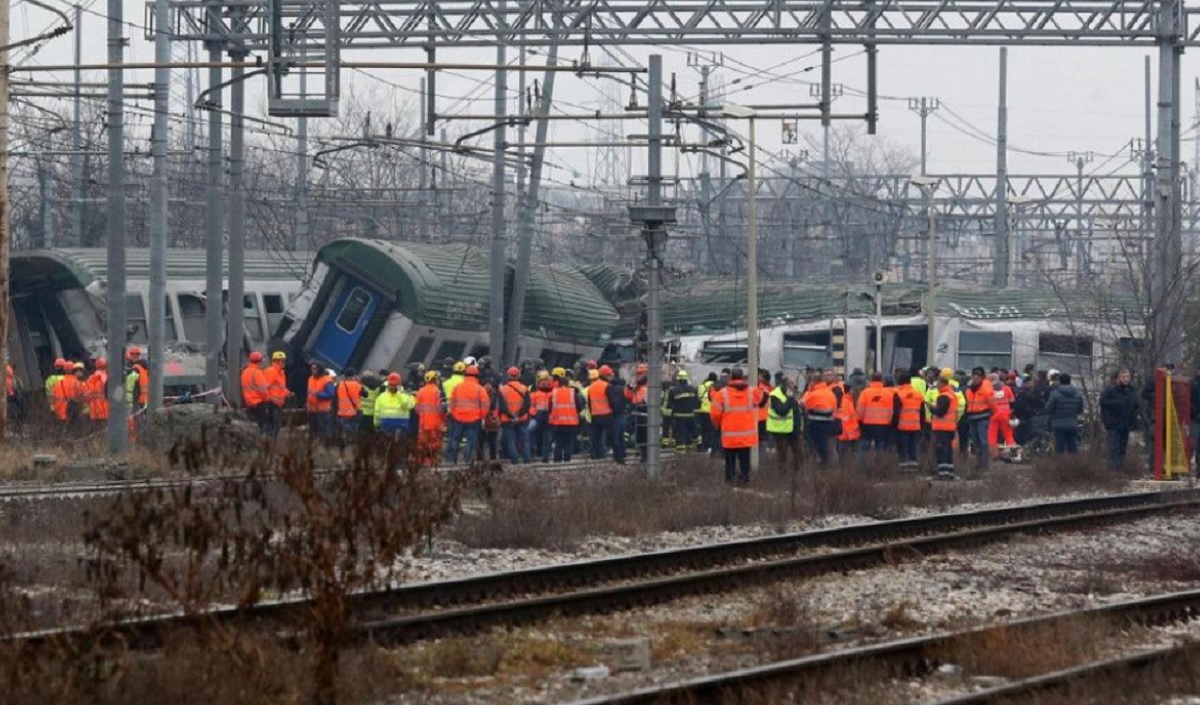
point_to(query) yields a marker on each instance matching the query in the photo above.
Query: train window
(273, 303)
(193, 312)
(807, 349)
(354, 309)
(420, 351)
(1066, 353)
(450, 349)
(986, 349)
(723, 353)
(253, 322)
(169, 320)
(136, 319)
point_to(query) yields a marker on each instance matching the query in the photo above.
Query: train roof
(448, 286)
(78, 267)
(698, 306)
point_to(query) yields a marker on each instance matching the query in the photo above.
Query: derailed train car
(804, 325)
(371, 304)
(58, 307)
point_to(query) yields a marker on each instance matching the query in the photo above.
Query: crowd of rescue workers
(468, 410)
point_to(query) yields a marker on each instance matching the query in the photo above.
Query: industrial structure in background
(321, 166)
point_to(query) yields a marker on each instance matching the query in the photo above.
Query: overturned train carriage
(834, 325)
(58, 300)
(372, 304)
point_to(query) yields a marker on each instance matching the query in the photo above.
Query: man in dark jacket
(620, 416)
(683, 400)
(1064, 407)
(1118, 413)
(1028, 406)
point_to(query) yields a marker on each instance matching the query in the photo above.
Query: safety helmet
(101, 363)
(947, 373)
(591, 364)
(605, 370)
(279, 355)
(542, 374)
(514, 372)
(133, 353)
(460, 367)
(469, 361)
(59, 363)
(593, 375)
(393, 379)
(79, 366)
(472, 371)
(448, 363)
(682, 374)
(558, 372)
(431, 376)
(256, 356)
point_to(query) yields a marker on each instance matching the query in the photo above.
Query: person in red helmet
(513, 408)
(97, 394)
(52, 381)
(254, 389)
(601, 436)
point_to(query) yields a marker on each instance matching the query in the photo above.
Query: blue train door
(353, 308)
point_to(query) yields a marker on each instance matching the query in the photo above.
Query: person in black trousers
(1119, 414)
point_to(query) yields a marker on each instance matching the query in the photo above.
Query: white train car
(805, 326)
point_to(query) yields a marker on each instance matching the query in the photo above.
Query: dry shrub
(282, 529)
(1085, 471)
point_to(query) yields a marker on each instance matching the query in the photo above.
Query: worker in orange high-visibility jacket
(851, 431)
(539, 412)
(468, 404)
(15, 409)
(566, 407)
(944, 421)
(908, 424)
(66, 394)
(55, 391)
(601, 432)
(980, 405)
(97, 393)
(1001, 421)
(734, 414)
(319, 403)
(77, 410)
(821, 413)
(513, 410)
(275, 377)
(348, 398)
(878, 407)
(254, 389)
(431, 419)
(764, 438)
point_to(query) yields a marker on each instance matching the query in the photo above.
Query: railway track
(921, 655)
(86, 490)
(469, 604)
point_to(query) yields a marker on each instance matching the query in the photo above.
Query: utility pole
(213, 216)
(1080, 159)
(1166, 301)
(302, 242)
(923, 107)
(423, 175)
(498, 249)
(5, 205)
(159, 197)
(118, 414)
(77, 206)
(654, 217)
(1001, 245)
(235, 316)
(527, 205)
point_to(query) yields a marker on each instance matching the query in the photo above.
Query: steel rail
(81, 490)
(472, 603)
(917, 655)
(1117, 670)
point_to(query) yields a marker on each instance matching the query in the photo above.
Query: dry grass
(560, 513)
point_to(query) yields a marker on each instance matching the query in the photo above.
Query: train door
(352, 310)
(903, 347)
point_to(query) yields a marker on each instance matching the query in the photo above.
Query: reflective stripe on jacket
(564, 407)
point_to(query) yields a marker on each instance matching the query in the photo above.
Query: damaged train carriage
(58, 307)
(376, 305)
(803, 325)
